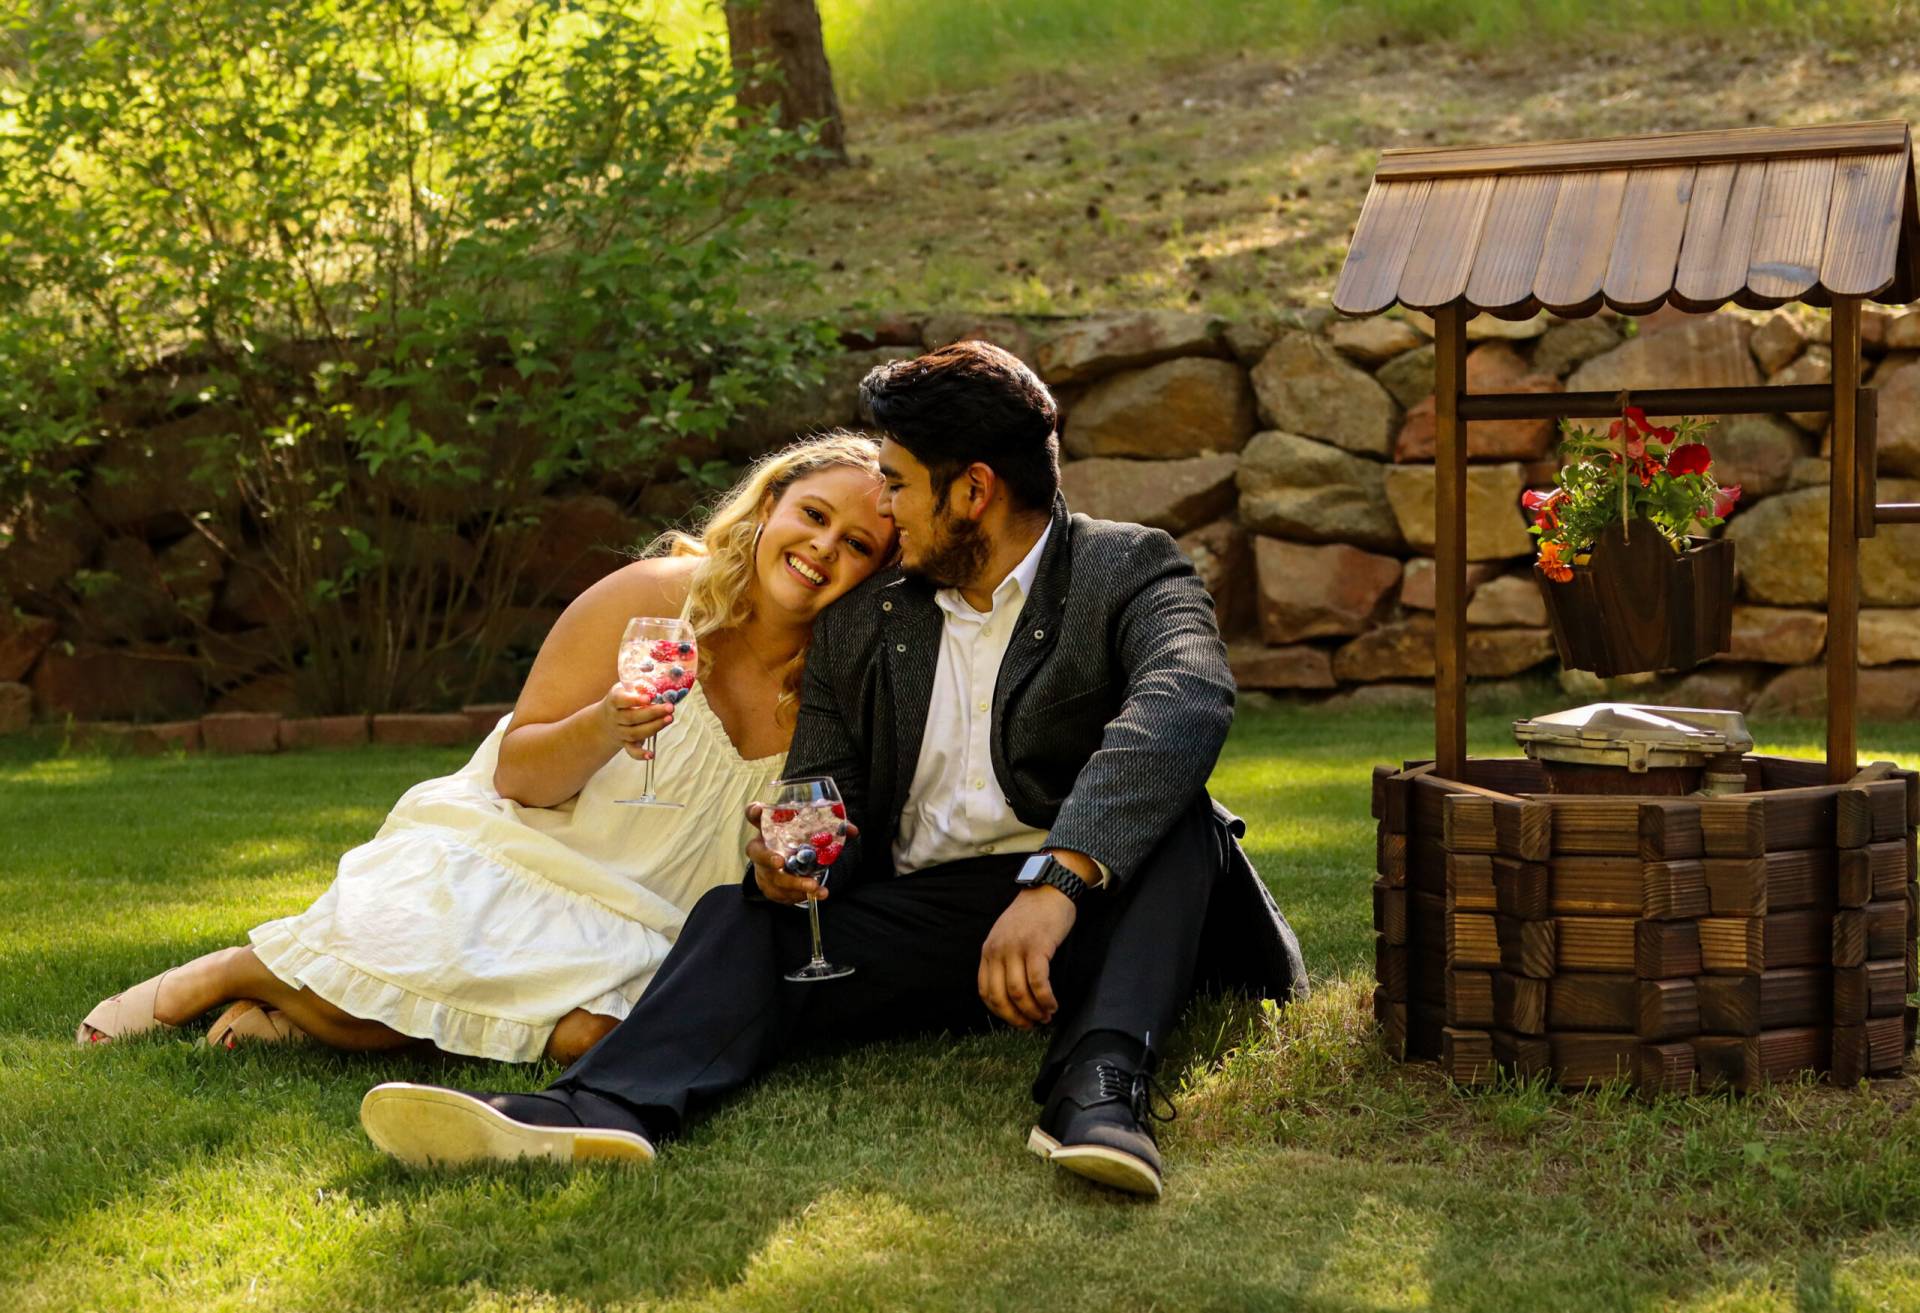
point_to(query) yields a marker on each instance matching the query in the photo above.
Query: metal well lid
(1634, 735)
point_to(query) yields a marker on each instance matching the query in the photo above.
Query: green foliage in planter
(391, 270)
(1637, 471)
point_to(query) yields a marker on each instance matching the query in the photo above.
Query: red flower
(1545, 507)
(1688, 458)
(1637, 417)
(1723, 500)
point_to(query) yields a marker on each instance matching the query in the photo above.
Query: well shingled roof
(1756, 216)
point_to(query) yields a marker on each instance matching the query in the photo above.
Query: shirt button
(979, 784)
(987, 632)
(987, 849)
(983, 706)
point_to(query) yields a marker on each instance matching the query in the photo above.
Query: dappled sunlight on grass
(1305, 1170)
(57, 772)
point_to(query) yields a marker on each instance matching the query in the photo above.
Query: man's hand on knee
(1015, 977)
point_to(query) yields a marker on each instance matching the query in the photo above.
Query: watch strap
(1053, 872)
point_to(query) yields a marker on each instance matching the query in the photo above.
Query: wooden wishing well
(1676, 941)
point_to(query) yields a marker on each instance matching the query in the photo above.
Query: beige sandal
(130, 1012)
(249, 1023)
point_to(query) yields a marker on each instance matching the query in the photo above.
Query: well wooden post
(1843, 547)
(1450, 542)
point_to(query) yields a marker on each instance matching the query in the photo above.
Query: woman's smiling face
(823, 536)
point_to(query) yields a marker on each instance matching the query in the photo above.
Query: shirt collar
(1017, 585)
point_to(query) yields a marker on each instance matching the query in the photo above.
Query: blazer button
(899, 647)
(886, 606)
(1039, 634)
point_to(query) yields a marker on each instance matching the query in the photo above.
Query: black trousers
(718, 1012)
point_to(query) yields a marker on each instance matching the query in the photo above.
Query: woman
(517, 909)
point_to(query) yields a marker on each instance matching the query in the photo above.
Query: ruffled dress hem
(451, 1029)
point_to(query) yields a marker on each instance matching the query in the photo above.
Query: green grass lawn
(1305, 1170)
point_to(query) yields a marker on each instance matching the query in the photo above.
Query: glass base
(647, 800)
(820, 971)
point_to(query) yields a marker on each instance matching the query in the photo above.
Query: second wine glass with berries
(659, 657)
(804, 823)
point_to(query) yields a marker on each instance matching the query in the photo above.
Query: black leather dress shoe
(427, 1126)
(1095, 1124)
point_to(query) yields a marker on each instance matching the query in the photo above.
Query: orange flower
(1551, 565)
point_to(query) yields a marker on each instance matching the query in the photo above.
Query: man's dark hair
(971, 402)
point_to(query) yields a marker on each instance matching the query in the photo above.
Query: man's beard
(956, 557)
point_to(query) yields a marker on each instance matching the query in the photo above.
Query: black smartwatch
(1042, 868)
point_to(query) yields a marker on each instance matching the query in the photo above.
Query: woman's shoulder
(654, 585)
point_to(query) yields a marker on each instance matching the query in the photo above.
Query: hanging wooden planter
(1637, 605)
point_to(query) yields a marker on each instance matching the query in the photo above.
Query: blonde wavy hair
(721, 594)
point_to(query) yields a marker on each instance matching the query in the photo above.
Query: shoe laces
(1145, 1095)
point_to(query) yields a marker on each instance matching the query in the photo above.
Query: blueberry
(806, 857)
(686, 649)
(676, 672)
(675, 696)
(793, 866)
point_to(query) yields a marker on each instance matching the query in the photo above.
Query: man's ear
(980, 481)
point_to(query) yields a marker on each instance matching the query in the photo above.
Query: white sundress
(477, 923)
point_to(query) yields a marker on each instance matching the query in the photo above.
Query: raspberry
(828, 854)
(646, 688)
(840, 811)
(820, 838)
(784, 815)
(665, 650)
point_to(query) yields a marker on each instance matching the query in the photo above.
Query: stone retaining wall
(1292, 460)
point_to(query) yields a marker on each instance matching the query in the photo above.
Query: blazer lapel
(910, 636)
(1038, 626)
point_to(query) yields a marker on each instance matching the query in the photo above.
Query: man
(1021, 720)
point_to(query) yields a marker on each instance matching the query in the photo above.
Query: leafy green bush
(383, 272)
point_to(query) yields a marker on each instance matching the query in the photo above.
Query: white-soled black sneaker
(428, 1126)
(1094, 1124)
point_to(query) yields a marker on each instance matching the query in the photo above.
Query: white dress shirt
(955, 807)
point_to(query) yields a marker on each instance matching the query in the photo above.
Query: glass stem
(813, 915)
(652, 752)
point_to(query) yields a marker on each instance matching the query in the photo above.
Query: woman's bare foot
(577, 1032)
(200, 985)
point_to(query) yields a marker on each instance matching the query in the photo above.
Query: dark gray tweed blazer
(1110, 710)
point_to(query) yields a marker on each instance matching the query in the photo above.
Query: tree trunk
(778, 52)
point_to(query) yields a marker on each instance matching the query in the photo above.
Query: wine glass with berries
(658, 658)
(804, 823)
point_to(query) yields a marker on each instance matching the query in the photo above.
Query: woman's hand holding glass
(630, 718)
